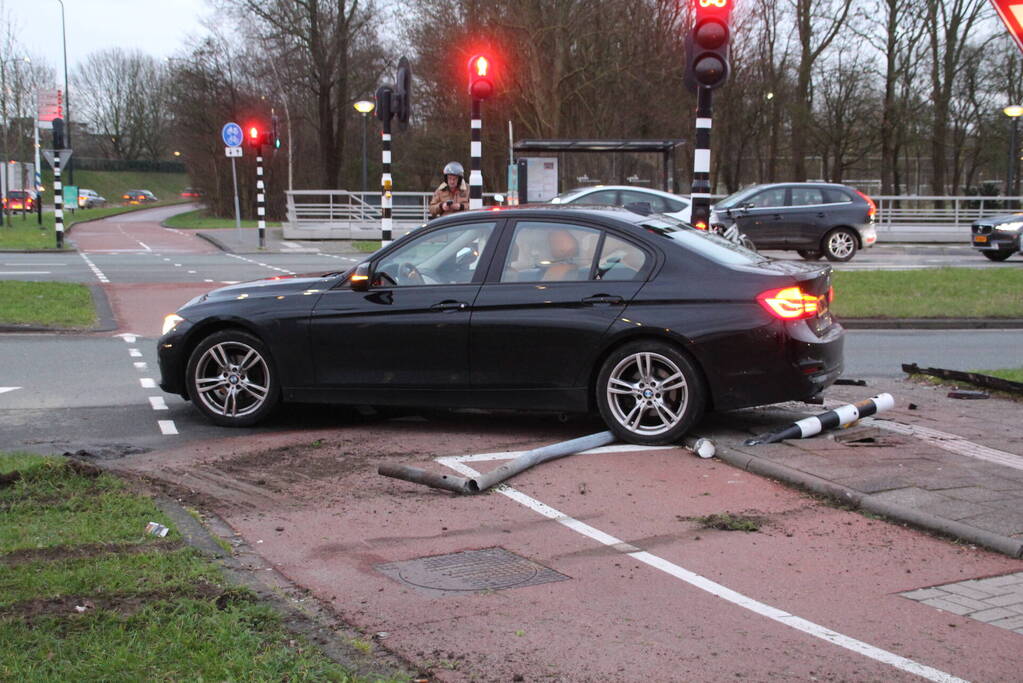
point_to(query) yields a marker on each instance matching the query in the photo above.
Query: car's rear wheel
(999, 255)
(650, 393)
(231, 379)
(810, 254)
(839, 244)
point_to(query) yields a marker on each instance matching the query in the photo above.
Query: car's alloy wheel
(999, 255)
(231, 379)
(809, 254)
(839, 244)
(650, 393)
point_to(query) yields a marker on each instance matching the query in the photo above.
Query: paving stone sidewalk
(997, 600)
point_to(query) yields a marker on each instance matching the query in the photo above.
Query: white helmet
(454, 168)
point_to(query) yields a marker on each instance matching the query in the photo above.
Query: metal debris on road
(155, 529)
(968, 394)
(839, 417)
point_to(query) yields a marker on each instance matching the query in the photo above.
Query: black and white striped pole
(701, 160)
(58, 187)
(260, 198)
(481, 86)
(385, 111)
(841, 416)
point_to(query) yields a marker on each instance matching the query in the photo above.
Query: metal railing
(894, 211)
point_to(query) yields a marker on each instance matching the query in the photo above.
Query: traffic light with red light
(707, 45)
(481, 83)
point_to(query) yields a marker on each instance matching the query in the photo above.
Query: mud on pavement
(646, 589)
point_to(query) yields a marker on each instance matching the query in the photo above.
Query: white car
(88, 199)
(674, 205)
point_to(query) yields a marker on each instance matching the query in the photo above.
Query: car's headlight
(170, 322)
(1010, 227)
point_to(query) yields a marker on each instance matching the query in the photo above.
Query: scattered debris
(702, 447)
(728, 522)
(968, 394)
(6, 479)
(156, 529)
(851, 382)
(859, 435)
(913, 406)
(979, 379)
(839, 417)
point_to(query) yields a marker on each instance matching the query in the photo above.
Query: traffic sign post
(233, 137)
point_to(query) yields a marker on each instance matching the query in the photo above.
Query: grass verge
(53, 304)
(86, 594)
(201, 219)
(932, 293)
(366, 246)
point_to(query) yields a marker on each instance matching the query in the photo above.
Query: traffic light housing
(481, 83)
(707, 45)
(58, 133)
(275, 135)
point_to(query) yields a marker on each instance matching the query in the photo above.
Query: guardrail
(341, 214)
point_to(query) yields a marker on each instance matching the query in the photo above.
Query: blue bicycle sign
(232, 134)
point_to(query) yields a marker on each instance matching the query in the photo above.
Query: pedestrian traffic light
(707, 44)
(481, 84)
(275, 136)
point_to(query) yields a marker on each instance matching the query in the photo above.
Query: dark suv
(814, 219)
(998, 237)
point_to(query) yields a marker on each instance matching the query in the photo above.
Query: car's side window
(807, 196)
(620, 260)
(602, 198)
(773, 197)
(550, 252)
(657, 204)
(440, 257)
(675, 205)
(833, 196)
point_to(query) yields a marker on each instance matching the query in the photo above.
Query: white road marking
(144, 245)
(167, 427)
(127, 336)
(158, 403)
(134, 353)
(261, 264)
(94, 268)
(951, 442)
(4, 390)
(705, 584)
(207, 280)
(140, 365)
(292, 245)
(191, 272)
(147, 382)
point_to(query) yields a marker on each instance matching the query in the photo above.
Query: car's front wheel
(999, 255)
(839, 244)
(231, 379)
(650, 393)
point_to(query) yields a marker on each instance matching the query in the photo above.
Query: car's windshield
(736, 198)
(707, 244)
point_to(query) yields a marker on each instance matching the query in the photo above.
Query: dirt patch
(19, 557)
(73, 606)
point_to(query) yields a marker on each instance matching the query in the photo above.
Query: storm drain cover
(470, 570)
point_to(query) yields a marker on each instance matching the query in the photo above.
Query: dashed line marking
(158, 403)
(147, 382)
(4, 390)
(705, 584)
(140, 365)
(167, 427)
(134, 353)
(261, 264)
(94, 268)
(144, 246)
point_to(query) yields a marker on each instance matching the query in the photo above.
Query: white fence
(340, 214)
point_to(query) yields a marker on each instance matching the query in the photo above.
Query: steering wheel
(410, 274)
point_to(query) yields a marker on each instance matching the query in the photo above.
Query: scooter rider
(453, 193)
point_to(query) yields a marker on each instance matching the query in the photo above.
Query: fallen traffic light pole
(841, 416)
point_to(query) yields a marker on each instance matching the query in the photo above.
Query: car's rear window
(707, 244)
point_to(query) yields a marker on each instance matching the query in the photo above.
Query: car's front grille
(981, 229)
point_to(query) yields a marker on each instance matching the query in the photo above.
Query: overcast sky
(156, 27)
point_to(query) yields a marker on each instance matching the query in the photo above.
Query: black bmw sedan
(640, 318)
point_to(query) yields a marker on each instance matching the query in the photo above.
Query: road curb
(847, 496)
(300, 613)
(209, 238)
(930, 323)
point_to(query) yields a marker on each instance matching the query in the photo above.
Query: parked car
(572, 309)
(676, 206)
(814, 219)
(88, 199)
(138, 197)
(19, 200)
(997, 237)
(192, 193)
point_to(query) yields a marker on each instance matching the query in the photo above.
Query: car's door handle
(602, 299)
(821, 215)
(450, 305)
(777, 216)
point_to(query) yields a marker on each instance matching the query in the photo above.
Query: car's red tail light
(789, 303)
(871, 206)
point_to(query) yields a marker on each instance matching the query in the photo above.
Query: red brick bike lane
(321, 515)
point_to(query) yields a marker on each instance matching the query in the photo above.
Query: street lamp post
(1013, 111)
(364, 107)
(67, 96)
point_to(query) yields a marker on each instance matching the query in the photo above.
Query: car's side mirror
(359, 280)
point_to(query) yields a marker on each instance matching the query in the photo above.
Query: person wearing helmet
(453, 193)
